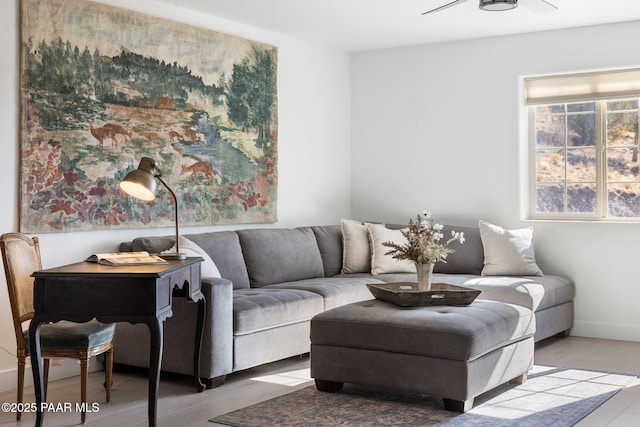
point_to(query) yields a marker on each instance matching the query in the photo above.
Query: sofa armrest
(216, 356)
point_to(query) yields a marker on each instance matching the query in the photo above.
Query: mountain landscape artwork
(102, 87)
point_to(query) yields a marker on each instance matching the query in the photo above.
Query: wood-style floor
(179, 405)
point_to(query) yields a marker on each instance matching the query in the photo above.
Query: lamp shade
(141, 183)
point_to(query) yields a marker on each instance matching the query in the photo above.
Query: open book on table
(126, 258)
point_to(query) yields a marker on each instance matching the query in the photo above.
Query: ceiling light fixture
(498, 5)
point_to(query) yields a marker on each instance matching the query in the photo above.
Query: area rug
(551, 396)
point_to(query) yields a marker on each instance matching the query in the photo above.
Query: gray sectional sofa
(274, 280)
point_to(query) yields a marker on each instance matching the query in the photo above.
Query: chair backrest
(21, 257)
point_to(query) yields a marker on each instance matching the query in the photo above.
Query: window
(584, 146)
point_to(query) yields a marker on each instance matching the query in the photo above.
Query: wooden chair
(21, 256)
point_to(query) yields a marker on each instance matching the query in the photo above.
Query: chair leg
(84, 373)
(108, 372)
(45, 376)
(21, 366)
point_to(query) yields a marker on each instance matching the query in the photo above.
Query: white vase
(425, 274)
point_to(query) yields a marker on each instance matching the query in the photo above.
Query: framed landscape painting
(102, 87)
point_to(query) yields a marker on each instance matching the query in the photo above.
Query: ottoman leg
(328, 386)
(457, 405)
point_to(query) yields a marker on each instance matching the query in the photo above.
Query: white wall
(433, 126)
(314, 125)
(437, 127)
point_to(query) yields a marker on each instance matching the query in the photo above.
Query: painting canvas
(102, 87)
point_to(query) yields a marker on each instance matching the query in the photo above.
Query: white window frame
(566, 89)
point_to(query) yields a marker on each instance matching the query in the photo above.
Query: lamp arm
(175, 199)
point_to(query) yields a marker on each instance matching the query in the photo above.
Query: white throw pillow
(508, 252)
(188, 247)
(382, 263)
(356, 257)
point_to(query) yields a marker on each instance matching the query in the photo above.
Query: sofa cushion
(224, 249)
(382, 263)
(329, 238)
(356, 256)
(275, 255)
(468, 257)
(336, 291)
(534, 292)
(508, 252)
(256, 310)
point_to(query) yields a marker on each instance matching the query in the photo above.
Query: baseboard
(67, 368)
(610, 331)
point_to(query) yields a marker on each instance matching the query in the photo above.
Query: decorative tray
(406, 294)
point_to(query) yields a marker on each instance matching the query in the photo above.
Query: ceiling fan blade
(538, 6)
(446, 6)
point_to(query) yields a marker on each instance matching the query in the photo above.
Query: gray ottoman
(455, 353)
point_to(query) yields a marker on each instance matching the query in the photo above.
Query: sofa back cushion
(468, 257)
(277, 255)
(329, 239)
(224, 249)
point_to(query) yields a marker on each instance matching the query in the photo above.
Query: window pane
(629, 104)
(622, 164)
(549, 109)
(622, 128)
(549, 198)
(581, 198)
(581, 129)
(550, 131)
(581, 165)
(583, 106)
(624, 200)
(550, 165)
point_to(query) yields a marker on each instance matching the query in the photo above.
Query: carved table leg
(155, 361)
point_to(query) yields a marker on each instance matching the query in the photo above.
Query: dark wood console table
(135, 294)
